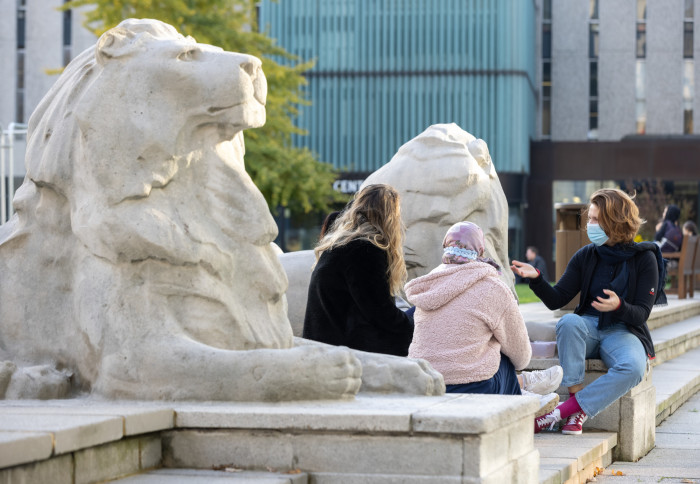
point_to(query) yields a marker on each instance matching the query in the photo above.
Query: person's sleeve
(637, 312)
(557, 296)
(368, 284)
(543, 269)
(511, 333)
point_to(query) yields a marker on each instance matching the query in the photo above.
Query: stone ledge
(453, 413)
(137, 418)
(70, 432)
(571, 458)
(475, 438)
(23, 447)
(191, 476)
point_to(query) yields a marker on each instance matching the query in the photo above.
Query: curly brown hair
(618, 215)
(374, 215)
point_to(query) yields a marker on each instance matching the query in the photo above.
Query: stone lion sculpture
(445, 175)
(139, 263)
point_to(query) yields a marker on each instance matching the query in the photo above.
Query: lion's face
(198, 85)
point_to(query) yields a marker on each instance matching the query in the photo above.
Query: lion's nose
(249, 68)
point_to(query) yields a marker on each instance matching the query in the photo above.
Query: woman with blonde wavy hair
(619, 281)
(359, 268)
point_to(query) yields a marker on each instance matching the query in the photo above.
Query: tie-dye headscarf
(464, 242)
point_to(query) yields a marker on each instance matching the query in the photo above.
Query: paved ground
(676, 457)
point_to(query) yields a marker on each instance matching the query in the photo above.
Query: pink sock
(569, 407)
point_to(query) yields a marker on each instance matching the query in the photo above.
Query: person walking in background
(359, 267)
(536, 261)
(619, 282)
(668, 234)
(468, 326)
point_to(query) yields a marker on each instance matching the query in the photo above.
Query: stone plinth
(373, 438)
(454, 438)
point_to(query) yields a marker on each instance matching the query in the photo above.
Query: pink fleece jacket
(465, 318)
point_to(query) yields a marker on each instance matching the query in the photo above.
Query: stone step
(196, 476)
(573, 458)
(676, 381)
(676, 310)
(675, 339)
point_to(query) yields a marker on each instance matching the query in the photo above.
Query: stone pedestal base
(455, 438)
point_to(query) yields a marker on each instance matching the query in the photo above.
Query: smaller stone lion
(445, 175)
(139, 263)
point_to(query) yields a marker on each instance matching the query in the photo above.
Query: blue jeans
(504, 382)
(579, 339)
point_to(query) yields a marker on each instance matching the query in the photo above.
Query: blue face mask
(596, 234)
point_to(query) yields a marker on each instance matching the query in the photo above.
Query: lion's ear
(480, 151)
(116, 42)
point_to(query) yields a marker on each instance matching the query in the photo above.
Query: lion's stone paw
(40, 382)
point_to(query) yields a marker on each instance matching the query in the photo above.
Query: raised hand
(524, 269)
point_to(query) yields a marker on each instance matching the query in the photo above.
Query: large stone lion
(139, 263)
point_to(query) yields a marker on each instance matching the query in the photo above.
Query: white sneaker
(547, 402)
(543, 382)
(547, 422)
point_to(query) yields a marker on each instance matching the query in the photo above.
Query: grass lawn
(525, 294)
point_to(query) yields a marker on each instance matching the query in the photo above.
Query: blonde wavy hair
(618, 215)
(374, 215)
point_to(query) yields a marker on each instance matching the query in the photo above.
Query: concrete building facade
(617, 101)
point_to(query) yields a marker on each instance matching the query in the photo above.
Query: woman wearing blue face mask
(619, 282)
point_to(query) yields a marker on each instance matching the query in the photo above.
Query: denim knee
(571, 323)
(632, 371)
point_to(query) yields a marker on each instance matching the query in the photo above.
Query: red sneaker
(547, 421)
(574, 424)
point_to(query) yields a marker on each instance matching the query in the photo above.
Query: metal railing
(7, 167)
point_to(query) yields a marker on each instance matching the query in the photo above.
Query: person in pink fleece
(467, 322)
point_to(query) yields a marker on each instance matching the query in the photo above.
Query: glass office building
(385, 70)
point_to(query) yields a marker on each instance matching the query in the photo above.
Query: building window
(21, 34)
(688, 66)
(546, 69)
(688, 89)
(640, 96)
(593, 44)
(593, 12)
(641, 29)
(593, 40)
(67, 34)
(546, 40)
(688, 39)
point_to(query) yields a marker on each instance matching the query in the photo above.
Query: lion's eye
(188, 55)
